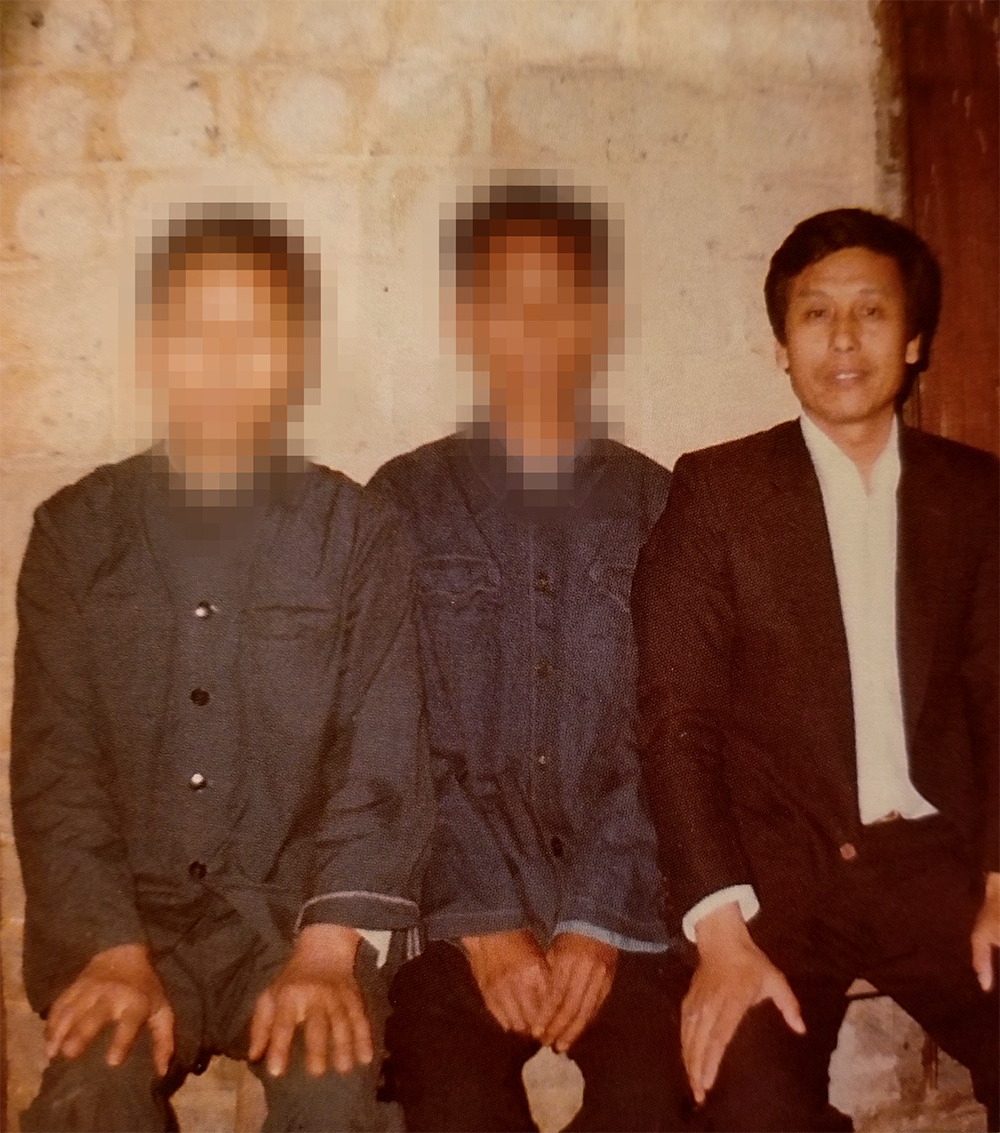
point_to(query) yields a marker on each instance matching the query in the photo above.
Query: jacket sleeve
(684, 618)
(981, 678)
(80, 897)
(376, 820)
(615, 881)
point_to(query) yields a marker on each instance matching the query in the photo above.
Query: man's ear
(913, 351)
(781, 355)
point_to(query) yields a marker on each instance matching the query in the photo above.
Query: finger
(693, 1009)
(569, 1005)
(316, 1035)
(700, 1020)
(342, 1041)
(260, 1025)
(512, 1008)
(282, 1033)
(596, 991)
(61, 1019)
(161, 1027)
(361, 1029)
(982, 960)
(533, 992)
(121, 1041)
(716, 1042)
(784, 999)
(88, 1019)
(555, 997)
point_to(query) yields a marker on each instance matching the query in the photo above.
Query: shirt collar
(835, 466)
(491, 483)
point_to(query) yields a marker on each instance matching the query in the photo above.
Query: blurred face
(846, 346)
(534, 329)
(224, 362)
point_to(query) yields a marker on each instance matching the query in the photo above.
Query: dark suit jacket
(747, 724)
(332, 805)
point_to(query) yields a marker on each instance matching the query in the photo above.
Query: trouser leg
(298, 1101)
(453, 1066)
(630, 1053)
(85, 1095)
(925, 964)
(772, 1079)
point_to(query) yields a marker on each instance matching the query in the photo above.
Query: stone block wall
(714, 125)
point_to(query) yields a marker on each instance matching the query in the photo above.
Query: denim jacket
(529, 669)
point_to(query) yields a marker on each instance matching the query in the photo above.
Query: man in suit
(542, 901)
(219, 784)
(816, 614)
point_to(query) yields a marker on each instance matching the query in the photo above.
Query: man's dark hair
(579, 225)
(240, 229)
(828, 232)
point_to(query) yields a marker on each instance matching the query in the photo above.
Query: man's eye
(814, 313)
(872, 312)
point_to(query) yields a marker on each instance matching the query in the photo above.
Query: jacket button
(200, 697)
(197, 870)
(543, 667)
(542, 582)
(204, 610)
(556, 846)
(848, 851)
(197, 782)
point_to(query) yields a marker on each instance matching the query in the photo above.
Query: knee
(768, 1079)
(298, 1100)
(84, 1093)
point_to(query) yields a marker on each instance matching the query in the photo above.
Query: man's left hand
(316, 990)
(583, 970)
(986, 932)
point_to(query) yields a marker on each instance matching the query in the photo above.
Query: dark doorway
(951, 84)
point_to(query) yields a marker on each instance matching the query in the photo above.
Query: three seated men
(266, 721)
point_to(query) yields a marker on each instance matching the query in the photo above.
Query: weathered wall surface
(715, 125)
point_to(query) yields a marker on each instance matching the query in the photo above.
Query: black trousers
(454, 1067)
(213, 972)
(900, 915)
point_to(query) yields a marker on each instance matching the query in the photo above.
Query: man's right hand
(512, 974)
(732, 976)
(118, 986)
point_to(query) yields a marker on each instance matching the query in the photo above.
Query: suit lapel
(923, 521)
(798, 541)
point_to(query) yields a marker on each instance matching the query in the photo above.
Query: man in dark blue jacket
(543, 901)
(218, 775)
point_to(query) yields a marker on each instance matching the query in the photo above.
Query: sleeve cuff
(606, 936)
(359, 909)
(743, 895)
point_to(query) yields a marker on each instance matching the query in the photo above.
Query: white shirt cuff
(743, 895)
(379, 939)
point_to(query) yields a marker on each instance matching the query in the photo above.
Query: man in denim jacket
(543, 901)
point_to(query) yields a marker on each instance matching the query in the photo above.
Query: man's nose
(844, 332)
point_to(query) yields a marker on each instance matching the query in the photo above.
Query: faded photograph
(499, 564)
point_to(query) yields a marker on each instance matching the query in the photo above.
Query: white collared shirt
(862, 525)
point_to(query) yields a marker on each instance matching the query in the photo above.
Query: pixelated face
(534, 327)
(846, 347)
(225, 362)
